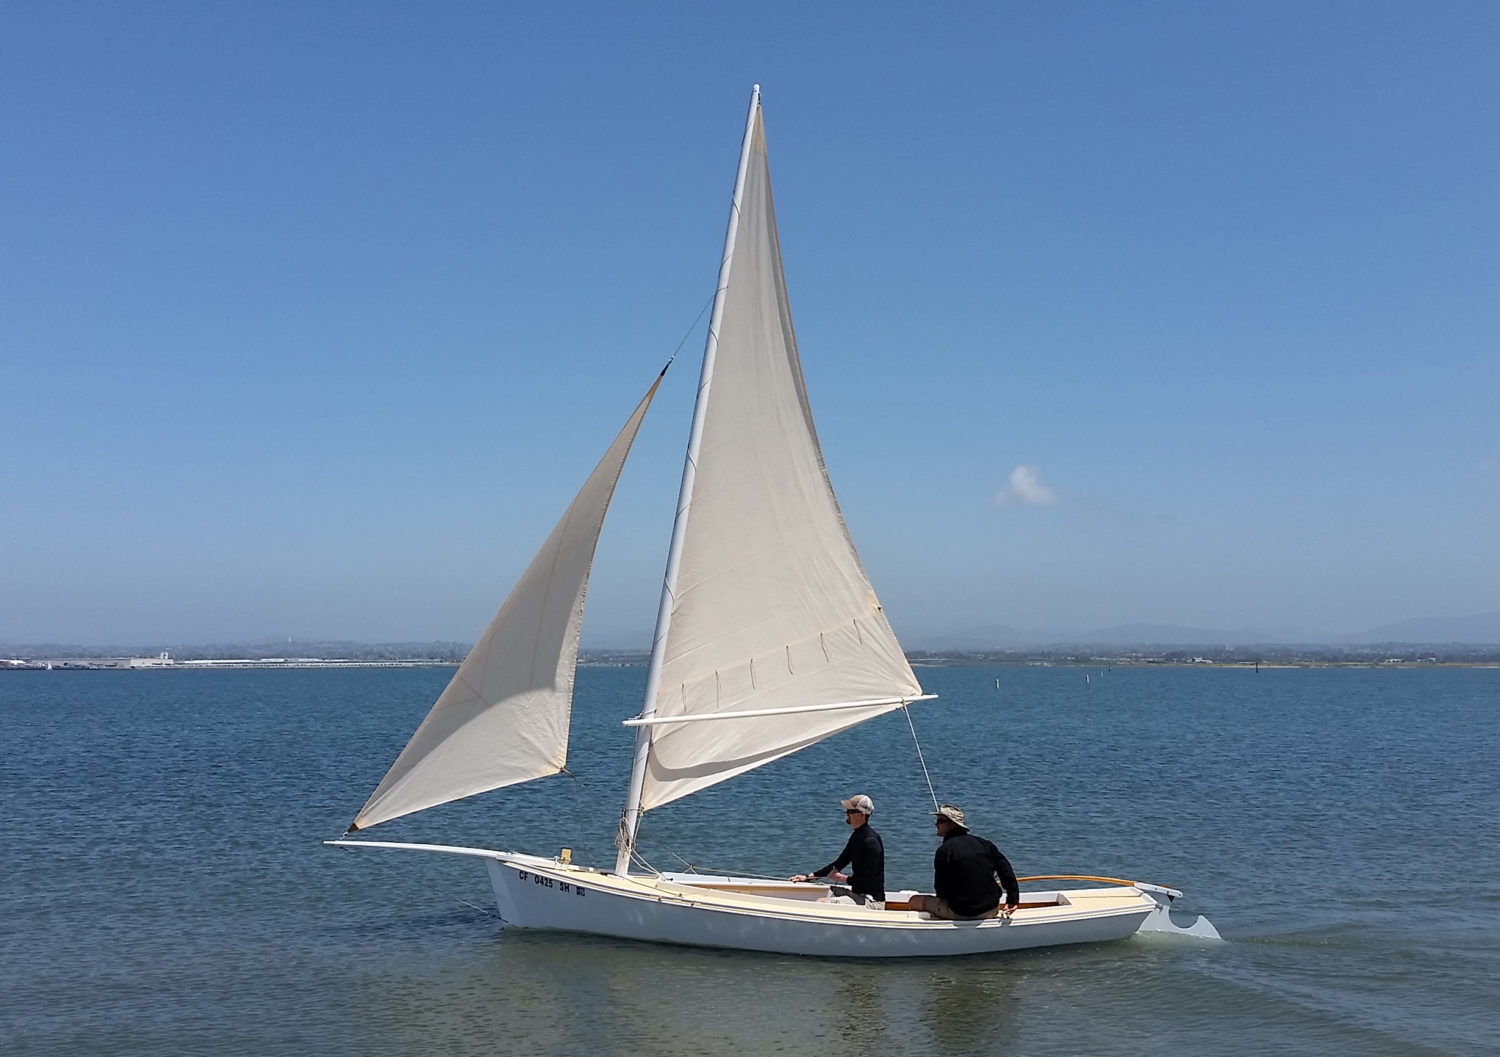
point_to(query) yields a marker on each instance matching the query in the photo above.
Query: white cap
(859, 802)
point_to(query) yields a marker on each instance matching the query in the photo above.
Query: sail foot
(504, 716)
(825, 668)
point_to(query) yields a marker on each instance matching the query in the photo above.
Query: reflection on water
(578, 994)
(972, 1010)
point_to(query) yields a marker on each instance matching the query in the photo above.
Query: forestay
(771, 608)
(503, 718)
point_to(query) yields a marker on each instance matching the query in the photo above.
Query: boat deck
(747, 894)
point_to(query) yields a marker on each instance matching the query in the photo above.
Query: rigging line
(920, 758)
(691, 328)
(742, 875)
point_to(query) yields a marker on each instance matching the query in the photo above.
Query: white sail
(770, 609)
(503, 718)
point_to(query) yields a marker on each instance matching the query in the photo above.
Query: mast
(630, 818)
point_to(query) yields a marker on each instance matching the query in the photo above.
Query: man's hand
(838, 878)
(1008, 909)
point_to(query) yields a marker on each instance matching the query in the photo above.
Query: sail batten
(888, 702)
(503, 718)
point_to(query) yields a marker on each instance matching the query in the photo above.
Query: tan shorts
(845, 897)
(938, 907)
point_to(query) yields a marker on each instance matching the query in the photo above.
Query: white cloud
(1025, 486)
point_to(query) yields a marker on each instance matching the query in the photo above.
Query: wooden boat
(769, 638)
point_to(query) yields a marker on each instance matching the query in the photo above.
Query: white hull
(742, 914)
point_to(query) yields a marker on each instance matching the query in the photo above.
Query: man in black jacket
(865, 851)
(964, 873)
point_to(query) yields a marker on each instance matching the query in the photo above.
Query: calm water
(164, 890)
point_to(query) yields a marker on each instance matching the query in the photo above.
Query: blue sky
(313, 317)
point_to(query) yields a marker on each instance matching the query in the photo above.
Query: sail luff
(504, 716)
(631, 816)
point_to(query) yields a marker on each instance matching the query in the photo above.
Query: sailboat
(769, 638)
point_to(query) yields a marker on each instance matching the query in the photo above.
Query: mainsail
(770, 607)
(503, 718)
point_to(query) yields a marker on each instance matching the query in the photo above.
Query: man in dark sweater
(865, 851)
(964, 873)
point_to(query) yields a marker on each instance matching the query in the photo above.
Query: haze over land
(1481, 630)
(1178, 318)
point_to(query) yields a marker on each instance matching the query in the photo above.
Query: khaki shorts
(849, 898)
(938, 907)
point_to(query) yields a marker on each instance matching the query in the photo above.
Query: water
(164, 890)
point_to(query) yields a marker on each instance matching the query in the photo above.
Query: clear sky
(314, 316)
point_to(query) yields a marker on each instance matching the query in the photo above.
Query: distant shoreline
(613, 660)
(122, 664)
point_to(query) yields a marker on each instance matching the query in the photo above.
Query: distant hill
(1006, 637)
(1481, 629)
(1182, 635)
(987, 637)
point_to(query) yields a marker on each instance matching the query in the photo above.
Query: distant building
(161, 660)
